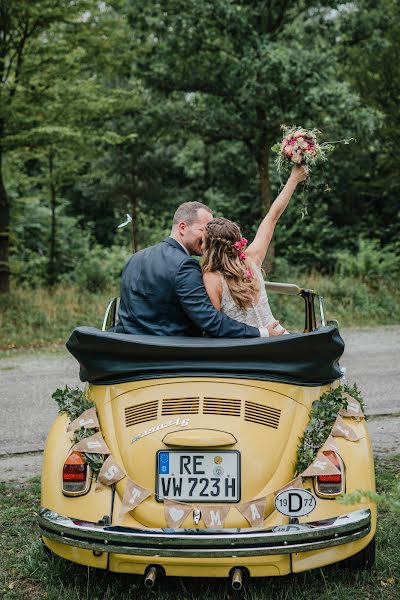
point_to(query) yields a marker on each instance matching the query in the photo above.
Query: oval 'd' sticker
(295, 502)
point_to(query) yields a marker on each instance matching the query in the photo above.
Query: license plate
(198, 476)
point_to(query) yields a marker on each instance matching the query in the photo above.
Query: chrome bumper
(203, 543)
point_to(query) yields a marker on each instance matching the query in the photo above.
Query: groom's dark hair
(188, 212)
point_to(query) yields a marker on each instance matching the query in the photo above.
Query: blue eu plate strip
(163, 463)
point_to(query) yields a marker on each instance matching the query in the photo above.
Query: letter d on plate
(295, 502)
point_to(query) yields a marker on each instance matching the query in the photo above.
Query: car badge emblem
(196, 516)
(179, 422)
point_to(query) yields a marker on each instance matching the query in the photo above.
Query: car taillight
(75, 475)
(331, 485)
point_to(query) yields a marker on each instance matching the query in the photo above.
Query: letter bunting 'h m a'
(253, 511)
(214, 516)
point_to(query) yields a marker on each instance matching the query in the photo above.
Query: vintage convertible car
(207, 431)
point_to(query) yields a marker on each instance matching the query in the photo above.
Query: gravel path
(27, 380)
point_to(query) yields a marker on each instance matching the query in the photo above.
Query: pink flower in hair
(237, 245)
(242, 255)
(249, 274)
(243, 242)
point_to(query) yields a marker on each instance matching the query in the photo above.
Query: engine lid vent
(179, 406)
(263, 415)
(139, 413)
(221, 406)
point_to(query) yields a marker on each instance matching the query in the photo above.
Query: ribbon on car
(134, 494)
(94, 444)
(88, 420)
(109, 473)
(214, 516)
(253, 511)
(341, 429)
(176, 512)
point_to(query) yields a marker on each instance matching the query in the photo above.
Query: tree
(243, 68)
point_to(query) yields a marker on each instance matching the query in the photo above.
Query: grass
(32, 318)
(27, 572)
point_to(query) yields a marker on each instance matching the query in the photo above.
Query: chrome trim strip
(204, 542)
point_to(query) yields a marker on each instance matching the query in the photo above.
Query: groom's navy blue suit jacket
(162, 293)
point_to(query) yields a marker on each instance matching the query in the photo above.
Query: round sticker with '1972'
(295, 502)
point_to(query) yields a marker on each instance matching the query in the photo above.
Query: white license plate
(200, 476)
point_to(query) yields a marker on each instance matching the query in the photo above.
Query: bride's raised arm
(257, 250)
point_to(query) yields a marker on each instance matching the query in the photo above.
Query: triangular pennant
(109, 473)
(134, 494)
(214, 516)
(297, 482)
(175, 513)
(253, 511)
(341, 429)
(87, 419)
(353, 408)
(321, 466)
(94, 444)
(330, 444)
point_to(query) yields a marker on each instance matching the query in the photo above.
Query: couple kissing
(166, 292)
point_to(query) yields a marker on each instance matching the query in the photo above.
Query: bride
(232, 271)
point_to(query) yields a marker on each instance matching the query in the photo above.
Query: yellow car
(203, 439)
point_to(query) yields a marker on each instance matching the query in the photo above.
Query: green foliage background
(116, 107)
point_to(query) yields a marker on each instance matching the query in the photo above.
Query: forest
(118, 107)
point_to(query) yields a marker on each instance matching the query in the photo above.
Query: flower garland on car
(300, 146)
(73, 402)
(324, 412)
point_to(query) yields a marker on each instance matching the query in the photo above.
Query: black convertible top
(309, 359)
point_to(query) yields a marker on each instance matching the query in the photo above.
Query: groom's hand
(274, 329)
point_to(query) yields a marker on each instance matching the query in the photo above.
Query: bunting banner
(297, 483)
(321, 466)
(109, 473)
(353, 408)
(134, 495)
(176, 512)
(330, 445)
(214, 516)
(253, 511)
(94, 444)
(87, 420)
(341, 429)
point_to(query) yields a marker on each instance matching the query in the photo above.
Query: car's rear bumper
(205, 543)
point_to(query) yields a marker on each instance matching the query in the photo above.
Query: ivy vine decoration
(73, 402)
(322, 418)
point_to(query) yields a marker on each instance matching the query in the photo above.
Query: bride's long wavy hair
(219, 254)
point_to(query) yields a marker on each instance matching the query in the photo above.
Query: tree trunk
(4, 232)
(265, 190)
(53, 225)
(134, 215)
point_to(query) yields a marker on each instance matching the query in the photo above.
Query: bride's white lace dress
(258, 315)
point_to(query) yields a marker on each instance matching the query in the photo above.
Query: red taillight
(75, 474)
(331, 485)
(330, 478)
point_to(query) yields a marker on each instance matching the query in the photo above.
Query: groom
(162, 291)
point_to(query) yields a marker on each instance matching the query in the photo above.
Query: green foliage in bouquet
(73, 402)
(322, 418)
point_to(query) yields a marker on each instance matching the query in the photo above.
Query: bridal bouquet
(300, 146)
